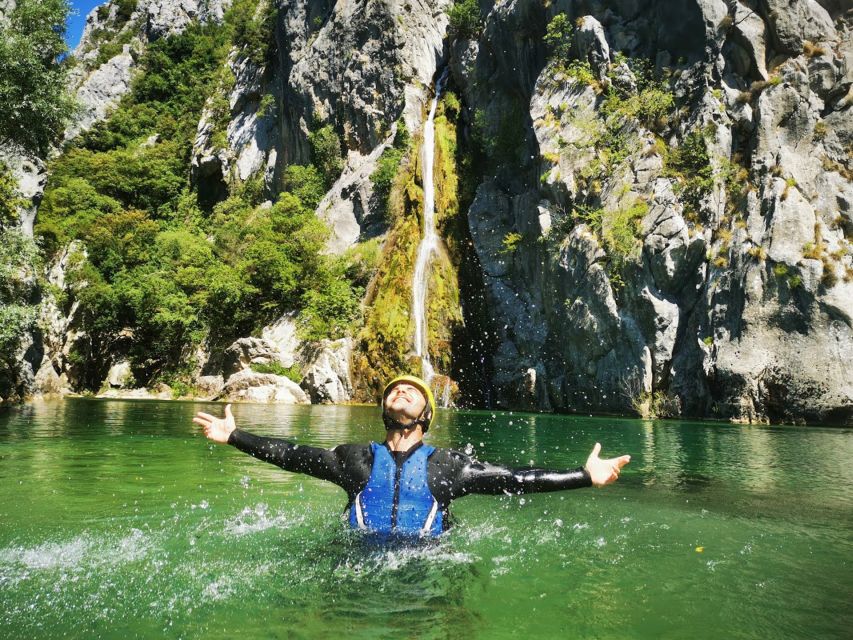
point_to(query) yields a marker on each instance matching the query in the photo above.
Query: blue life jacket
(397, 500)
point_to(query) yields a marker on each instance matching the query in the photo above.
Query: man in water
(404, 486)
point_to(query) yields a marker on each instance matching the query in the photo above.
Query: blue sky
(76, 22)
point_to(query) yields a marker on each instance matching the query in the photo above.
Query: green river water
(119, 520)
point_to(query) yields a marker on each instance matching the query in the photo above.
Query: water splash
(429, 241)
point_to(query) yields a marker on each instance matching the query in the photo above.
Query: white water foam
(259, 518)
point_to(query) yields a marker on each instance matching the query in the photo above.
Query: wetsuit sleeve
(478, 477)
(348, 466)
(453, 474)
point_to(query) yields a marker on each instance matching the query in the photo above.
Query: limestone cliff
(654, 198)
(714, 286)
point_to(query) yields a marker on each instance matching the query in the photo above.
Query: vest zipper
(396, 493)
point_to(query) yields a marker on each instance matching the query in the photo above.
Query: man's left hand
(604, 471)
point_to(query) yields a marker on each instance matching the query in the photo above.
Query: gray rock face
(30, 174)
(167, 17)
(59, 330)
(713, 309)
(327, 375)
(277, 345)
(101, 91)
(251, 135)
(361, 68)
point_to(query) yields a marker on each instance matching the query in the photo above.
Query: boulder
(248, 386)
(326, 377)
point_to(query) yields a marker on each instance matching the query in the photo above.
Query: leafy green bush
(326, 151)
(306, 183)
(125, 9)
(19, 263)
(361, 261)
(252, 23)
(511, 242)
(558, 38)
(329, 311)
(388, 165)
(690, 165)
(465, 19)
(34, 101)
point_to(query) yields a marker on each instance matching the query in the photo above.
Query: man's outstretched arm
(477, 477)
(342, 465)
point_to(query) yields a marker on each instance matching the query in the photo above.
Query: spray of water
(429, 241)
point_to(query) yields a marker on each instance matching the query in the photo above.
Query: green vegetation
(619, 231)
(19, 263)
(124, 9)
(326, 153)
(652, 405)
(9, 199)
(34, 103)
(558, 38)
(161, 270)
(306, 183)
(500, 134)
(252, 23)
(294, 371)
(108, 50)
(690, 166)
(511, 242)
(266, 105)
(465, 19)
(613, 129)
(388, 165)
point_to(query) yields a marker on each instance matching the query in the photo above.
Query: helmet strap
(391, 423)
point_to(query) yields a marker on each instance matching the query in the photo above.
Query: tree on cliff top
(34, 102)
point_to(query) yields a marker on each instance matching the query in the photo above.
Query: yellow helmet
(429, 410)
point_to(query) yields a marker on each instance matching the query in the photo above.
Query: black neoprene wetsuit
(450, 474)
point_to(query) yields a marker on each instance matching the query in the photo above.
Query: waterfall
(429, 241)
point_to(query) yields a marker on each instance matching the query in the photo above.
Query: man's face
(405, 401)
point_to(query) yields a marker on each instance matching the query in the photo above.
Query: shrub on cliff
(326, 152)
(558, 38)
(465, 19)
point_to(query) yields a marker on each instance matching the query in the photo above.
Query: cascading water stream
(429, 242)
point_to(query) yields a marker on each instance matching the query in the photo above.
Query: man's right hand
(217, 429)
